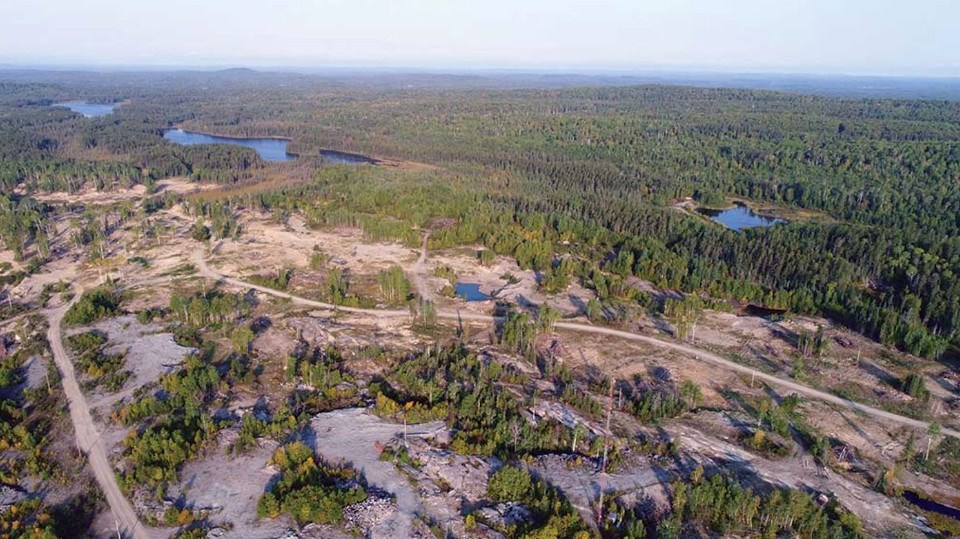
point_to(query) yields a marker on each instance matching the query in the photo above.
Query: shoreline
(231, 137)
(366, 159)
(768, 213)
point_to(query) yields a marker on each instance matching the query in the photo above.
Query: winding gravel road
(697, 353)
(88, 437)
(773, 380)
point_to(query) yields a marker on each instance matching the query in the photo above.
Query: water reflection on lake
(269, 149)
(740, 217)
(89, 110)
(344, 158)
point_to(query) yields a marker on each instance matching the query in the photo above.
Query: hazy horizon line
(362, 67)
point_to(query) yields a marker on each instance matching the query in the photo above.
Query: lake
(930, 505)
(269, 149)
(344, 158)
(89, 110)
(740, 217)
(470, 292)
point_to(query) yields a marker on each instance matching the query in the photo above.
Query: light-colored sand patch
(113, 195)
(30, 288)
(269, 245)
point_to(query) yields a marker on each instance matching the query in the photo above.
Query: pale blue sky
(902, 37)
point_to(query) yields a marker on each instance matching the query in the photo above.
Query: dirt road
(87, 435)
(417, 273)
(770, 379)
(697, 353)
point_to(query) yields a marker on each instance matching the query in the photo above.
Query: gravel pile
(504, 515)
(369, 513)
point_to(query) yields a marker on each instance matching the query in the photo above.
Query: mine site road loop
(696, 353)
(128, 525)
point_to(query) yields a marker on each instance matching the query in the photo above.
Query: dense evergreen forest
(540, 174)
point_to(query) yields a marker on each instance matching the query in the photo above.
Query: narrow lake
(89, 110)
(740, 217)
(470, 292)
(269, 149)
(343, 158)
(930, 505)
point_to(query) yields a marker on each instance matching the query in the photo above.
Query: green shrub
(103, 369)
(915, 386)
(308, 490)
(509, 484)
(93, 305)
(553, 515)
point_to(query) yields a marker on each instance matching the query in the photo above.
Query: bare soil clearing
(876, 511)
(180, 186)
(149, 355)
(750, 354)
(698, 353)
(856, 494)
(351, 436)
(231, 497)
(524, 292)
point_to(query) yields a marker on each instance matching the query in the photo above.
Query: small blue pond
(740, 217)
(89, 110)
(471, 292)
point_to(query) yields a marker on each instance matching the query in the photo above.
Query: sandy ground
(267, 246)
(525, 293)
(755, 341)
(29, 289)
(597, 356)
(850, 359)
(730, 367)
(112, 196)
(88, 436)
(7, 256)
